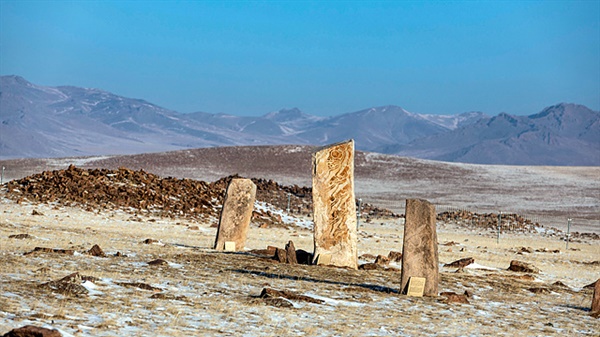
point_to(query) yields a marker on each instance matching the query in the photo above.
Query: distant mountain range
(41, 122)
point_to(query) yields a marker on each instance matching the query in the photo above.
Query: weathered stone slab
(291, 253)
(596, 298)
(420, 250)
(334, 206)
(236, 214)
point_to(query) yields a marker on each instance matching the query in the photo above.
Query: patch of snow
(62, 332)
(476, 265)
(333, 302)
(285, 218)
(75, 161)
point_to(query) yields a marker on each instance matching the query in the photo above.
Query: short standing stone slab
(291, 253)
(596, 298)
(420, 250)
(236, 214)
(334, 206)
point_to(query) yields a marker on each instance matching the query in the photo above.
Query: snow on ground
(203, 292)
(286, 218)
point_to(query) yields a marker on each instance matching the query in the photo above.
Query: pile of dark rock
(140, 192)
(509, 222)
(99, 189)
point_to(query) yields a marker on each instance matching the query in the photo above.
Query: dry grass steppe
(202, 292)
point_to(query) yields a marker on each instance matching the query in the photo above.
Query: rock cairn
(99, 189)
(510, 222)
(146, 193)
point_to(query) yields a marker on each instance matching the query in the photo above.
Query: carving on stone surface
(236, 214)
(334, 205)
(419, 250)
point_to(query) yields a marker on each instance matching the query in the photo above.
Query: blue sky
(250, 58)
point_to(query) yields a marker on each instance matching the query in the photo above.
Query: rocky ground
(544, 194)
(96, 266)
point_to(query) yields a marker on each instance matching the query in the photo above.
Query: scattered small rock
(32, 331)
(278, 302)
(96, 251)
(367, 257)
(20, 236)
(281, 255)
(149, 241)
(272, 293)
(545, 250)
(43, 270)
(36, 212)
(194, 228)
(592, 263)
(395, 256)
(139, 285)
(265, 252)
(51, 250)
(525, 277)
(382, 260)
(539, 290)
(369, 266)
(77, 278)
(166, 296)
(460, 263)
(522, 250)
(158, 262)
(559, 284)
(452, 297)
(523, 267)
(65, 287)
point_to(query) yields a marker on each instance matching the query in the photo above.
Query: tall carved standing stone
(236, 214)
(420, 250)
(334, 208)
